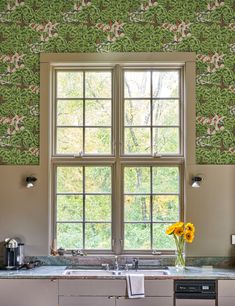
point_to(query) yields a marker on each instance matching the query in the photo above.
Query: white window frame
(49, 61)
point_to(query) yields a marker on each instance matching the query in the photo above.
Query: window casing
(119, 161)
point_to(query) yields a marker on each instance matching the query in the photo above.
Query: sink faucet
(116, 264)
(136, 263)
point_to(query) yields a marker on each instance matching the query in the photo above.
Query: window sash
(83, 98)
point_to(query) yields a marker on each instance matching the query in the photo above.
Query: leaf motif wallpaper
(28, 27)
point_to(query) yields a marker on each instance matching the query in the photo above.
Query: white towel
(135, 286)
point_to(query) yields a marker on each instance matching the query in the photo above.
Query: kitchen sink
(83, 272)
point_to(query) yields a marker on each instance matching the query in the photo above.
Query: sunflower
(190, 227)
(170, 229)
(179, 224)
(189, 236)
(179, 231)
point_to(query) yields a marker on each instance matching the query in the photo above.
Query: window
(117, 152)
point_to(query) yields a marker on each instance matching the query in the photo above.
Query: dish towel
(135, 286)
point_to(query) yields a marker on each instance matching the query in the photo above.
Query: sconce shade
(196, 181)
(30, 181)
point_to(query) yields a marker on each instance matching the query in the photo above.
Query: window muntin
(151, 202)
(80, 95)
(152, 108)
(84, 207)
(77, 227)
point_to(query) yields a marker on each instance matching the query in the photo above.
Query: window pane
(161, 241)
(69, 236)
(98, 208)
(69, 112)
(137, 84)
(137, 180)
(137, 141)
(98, 236)
(98, 113)
(69, 84)
(98, 141)
(69, 179)
(165, 179)
(137, 236)
(166, 84)
(166, 140)
(165, 112)
(69, 207)
(98, 179)
(98, 84)
(166, 208)
(137, 112)
(69, 140)
(137, 208)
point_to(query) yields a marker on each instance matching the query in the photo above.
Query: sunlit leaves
(84, 100)
(84, 200)
(151, 114)
(137, 237)
(69, 84)
(151, 203)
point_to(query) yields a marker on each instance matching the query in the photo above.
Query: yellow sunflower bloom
(190, 227)
(179, 231)
(170, 229)
(189, 236)
(179, 224)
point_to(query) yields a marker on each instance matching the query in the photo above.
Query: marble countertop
(58, 272)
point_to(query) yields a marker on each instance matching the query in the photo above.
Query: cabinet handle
(111, 297)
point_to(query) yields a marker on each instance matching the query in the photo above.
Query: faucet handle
(127, 266)
(105, 266)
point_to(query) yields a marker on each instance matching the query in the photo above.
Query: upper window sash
(83, 109)
(151, 104)
(152, 112)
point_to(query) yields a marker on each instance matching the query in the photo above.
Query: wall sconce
(196, 181)
(30, 181)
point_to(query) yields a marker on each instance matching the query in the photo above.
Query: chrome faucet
(116, 264)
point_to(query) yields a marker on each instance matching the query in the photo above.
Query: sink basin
(82, 272)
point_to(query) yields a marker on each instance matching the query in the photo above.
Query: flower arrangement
(181, 232)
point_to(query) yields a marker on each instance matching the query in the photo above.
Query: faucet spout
(116, 264)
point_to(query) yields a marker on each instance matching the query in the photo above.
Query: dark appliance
(14, 253)
(195, 292)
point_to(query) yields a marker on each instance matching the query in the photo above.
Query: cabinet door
(148, 301)
(28, 292)
(86, 301)
(226, 301)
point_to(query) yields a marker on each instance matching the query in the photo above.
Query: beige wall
(212, 208)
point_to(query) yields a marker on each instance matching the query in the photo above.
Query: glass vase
(180, 260)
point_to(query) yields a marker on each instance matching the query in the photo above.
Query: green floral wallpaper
(33, 26)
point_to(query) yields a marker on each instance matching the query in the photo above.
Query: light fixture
(30, 181)
(196, 181)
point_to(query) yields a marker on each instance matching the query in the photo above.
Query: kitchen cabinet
(147, 301)
(113, 293)
(28, 292)
(226, 292)
(86, 301)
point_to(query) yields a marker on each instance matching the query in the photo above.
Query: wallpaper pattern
(28, 27)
